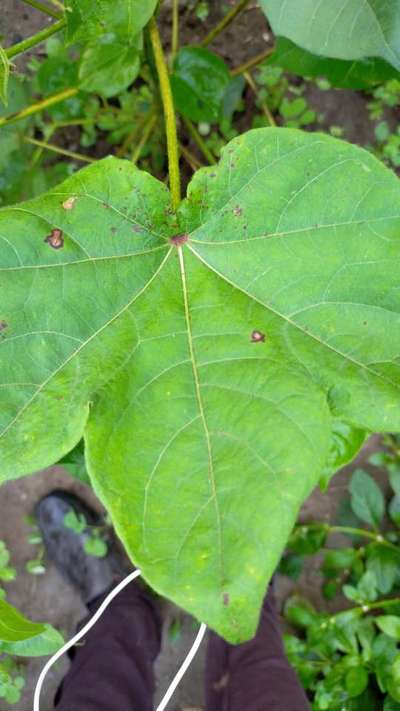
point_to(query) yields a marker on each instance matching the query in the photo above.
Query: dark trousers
(112, 670)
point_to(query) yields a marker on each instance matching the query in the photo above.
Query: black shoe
(90, 575)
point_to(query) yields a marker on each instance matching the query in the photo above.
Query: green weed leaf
(14, 626)
(367, 499)
(356, 681)
(384, 563)
(389, 624)
(47, 642)
(88, 20)
(199, 83)
(345, 29)
(198, 354)
(108, 67)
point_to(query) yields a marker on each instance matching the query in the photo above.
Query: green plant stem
(361, 532)
(34, 40)
(145, 136)
(229, 17)
(377, 537)
(362, 609)
(43, 8)
(39, 106)
(264, 106)
(59, 4)
(200, 143)
(175, 30)
(60, 151)
(169, 113)
(253, 62)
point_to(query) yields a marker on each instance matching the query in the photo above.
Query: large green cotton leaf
(89, 19)
(360, 74)
(206, 361)
(346, 29)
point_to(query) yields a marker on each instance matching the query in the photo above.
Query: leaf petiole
(169, 113)
(36, 39)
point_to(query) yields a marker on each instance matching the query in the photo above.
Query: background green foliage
(349, 660)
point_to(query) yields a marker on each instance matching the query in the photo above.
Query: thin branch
(229, 17)
(264, 106)
(200, 143)
(43, 8)
(39, 106)
(253, 62)
(34, 40)
(57, 149)
(191, 159)
(175, 30)
(145, 137)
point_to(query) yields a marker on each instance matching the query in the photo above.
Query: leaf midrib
(201, 409)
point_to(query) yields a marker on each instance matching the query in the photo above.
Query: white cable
(89, 625)
(80, 634)
(186, 664)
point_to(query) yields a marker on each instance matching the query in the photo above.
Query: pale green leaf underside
(201, 440)
(346, 29)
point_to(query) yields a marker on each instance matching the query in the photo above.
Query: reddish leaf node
(179, 240)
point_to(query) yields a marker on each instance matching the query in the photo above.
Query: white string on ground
(92, 622)
(81, 633)
(186, 664)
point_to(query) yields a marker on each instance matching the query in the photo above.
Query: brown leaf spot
(136, 228)
(225, 599)
(69, 203)
(55, 239)
(257, 337)
(179, 240)
(237, 211)
(222, 683)
(3, 325)
(113, 230)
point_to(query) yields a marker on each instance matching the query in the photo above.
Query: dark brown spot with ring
(257, 337)
(225, 599)
(237, 211)
(3, 325)
(55, 239)
(179, 240)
